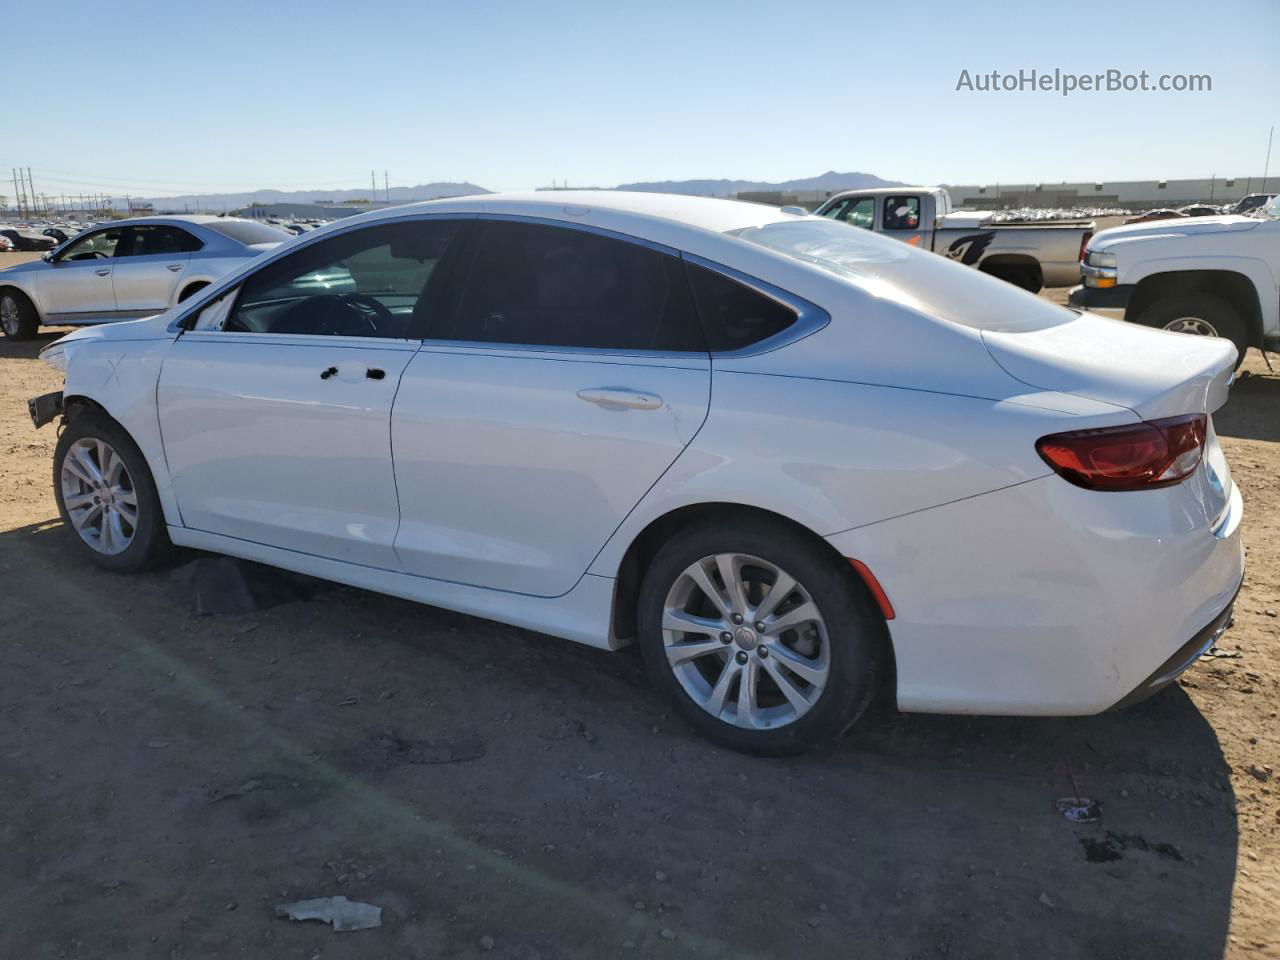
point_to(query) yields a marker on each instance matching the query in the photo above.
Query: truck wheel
(1201, 315)
(1027, 278)
(18, 316)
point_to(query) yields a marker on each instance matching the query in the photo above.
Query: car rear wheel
(764, 638)
(1200, 315)
(18, 318)
(106, 495)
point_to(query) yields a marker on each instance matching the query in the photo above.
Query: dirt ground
(166, 780)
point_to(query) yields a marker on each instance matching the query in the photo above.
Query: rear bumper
(1044, 599)
(1105, 298)
(1183, 658)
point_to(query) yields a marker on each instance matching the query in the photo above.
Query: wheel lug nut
(763, 651)
(742, 656)
(736, 618)
(726, 637)
(759, 626)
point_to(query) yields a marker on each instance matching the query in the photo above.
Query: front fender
(1256, 271)
(121, 377)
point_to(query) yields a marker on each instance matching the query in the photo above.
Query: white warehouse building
(1132, 194)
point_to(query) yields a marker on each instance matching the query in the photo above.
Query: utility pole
(373, 187)
(1266, 167)
(386, 186)
(31, 183)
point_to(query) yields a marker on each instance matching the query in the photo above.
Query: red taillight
(1136, 457)
(1084, 243)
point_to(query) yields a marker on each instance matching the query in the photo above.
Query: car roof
(711, 214)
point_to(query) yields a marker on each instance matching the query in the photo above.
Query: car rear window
(247, 231)
(918, 279)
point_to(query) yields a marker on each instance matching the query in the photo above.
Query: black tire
(191, 290)
(1216, 312)
(18, 317)
(150, 544)
(857, 636)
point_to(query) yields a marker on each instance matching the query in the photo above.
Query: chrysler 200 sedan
(794, 462)
(126, 269)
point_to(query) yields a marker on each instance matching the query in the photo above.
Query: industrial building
(1130, 194)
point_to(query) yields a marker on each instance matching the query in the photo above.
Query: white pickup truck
(1028, 255)
(1213, 276)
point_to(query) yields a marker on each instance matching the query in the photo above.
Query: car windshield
(918, 279)
(248, 231)
(1269, 210)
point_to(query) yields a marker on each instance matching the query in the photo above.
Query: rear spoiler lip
(1208, 373)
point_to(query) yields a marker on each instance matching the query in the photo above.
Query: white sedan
(791, 460)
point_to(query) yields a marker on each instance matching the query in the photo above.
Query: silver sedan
(126, 269)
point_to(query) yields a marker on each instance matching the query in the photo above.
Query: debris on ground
(342, 913)
(1079, 809)
(1047, 901)
(218, 586)
(1216, 653)
(1262, 773)
(264, 781)
(391, 749)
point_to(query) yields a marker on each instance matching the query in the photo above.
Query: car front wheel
(106, 495)
(763, 637)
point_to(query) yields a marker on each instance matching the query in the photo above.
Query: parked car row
(791, 459)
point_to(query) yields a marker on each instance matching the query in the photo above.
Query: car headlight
(1099, 269)
(56, 357)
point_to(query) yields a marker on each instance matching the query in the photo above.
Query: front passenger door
(276, 412)
(77, 285)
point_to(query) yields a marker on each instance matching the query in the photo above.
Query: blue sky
(179, 97)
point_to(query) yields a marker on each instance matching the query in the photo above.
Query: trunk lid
(1153, 373)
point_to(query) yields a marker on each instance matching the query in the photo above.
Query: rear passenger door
(148, 266)
(565, 373)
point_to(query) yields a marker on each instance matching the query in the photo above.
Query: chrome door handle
(103, 273)
(619, 399)
(175, 267)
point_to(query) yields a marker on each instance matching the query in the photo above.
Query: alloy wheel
(1196, 326)
(9, 315)
(746, 642)
(99, 496)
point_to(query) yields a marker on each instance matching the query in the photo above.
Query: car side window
(158, 239)
(532, 284)
(94, 246)
(856, 211)
(733, 315)
(901, 213)
(370, 282)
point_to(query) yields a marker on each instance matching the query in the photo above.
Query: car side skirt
(582, 615)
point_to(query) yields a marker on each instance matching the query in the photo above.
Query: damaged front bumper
(45, 408)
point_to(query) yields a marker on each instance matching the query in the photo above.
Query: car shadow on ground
(1253, 411)
(477, 780)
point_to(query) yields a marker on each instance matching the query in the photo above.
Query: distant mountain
(727, 188)
(233, 201)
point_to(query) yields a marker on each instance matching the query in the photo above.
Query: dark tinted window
(551, 286)
(247, 231)
(154, 239)
(733, 315)
(366, 283)
(901, 213)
